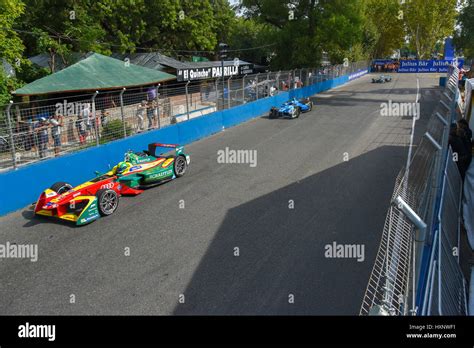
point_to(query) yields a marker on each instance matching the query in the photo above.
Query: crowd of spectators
(43, 128)
(391, 66)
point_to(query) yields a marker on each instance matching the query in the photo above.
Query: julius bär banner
(427, 66)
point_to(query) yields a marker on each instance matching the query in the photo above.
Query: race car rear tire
(61, 187)
(107, 201)
(179, 166)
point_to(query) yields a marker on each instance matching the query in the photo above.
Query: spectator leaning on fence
(85, 116)
(56, 124)
(41, 130)
(149, 113)
(273, 90)
(104, 117)
(81, 129)
(140, 115)
(154, 106)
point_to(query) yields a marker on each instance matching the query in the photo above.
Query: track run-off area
(235, 238)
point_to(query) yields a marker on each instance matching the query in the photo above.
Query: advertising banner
(382, 61)
(427, 66)
(358, 74)
(205, 73)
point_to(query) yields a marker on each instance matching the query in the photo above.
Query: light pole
(223, 50)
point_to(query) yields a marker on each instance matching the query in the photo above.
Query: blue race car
(291, 108)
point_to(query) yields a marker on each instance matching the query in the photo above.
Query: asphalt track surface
(191, 251)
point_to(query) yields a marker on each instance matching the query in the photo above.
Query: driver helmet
(121, 167)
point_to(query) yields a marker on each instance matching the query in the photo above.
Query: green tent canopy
(95, 73)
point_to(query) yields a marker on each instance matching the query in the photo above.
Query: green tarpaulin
(95, 73)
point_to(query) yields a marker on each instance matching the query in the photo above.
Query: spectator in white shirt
(141, 115)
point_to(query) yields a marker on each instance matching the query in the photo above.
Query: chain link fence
(419, 220)
(45, 128)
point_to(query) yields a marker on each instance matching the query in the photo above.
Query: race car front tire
(296, 113)
(272, 114)
(61, 187)
(107, 201)
(180, 165)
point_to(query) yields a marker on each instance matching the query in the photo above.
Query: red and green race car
(100, 196)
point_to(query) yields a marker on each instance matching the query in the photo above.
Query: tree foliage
(464, 38)
(428, 22)
(282, 33)
(353, 29)
(304, 29)
(11, 46)
(123, 26)
(384, 29)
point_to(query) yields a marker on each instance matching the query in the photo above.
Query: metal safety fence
(447, 290)
(39, 129)
(423, 217)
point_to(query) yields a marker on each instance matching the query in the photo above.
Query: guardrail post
(187, 105)
(228, 91)
(94, 119)
(418, 222)
(122, 112)
(158, 106)
(10, 129)
(256, 86)
(243, 88)
(267, 84)
(217, 94)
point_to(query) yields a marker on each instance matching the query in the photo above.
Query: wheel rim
(108, 203)
(180, 166)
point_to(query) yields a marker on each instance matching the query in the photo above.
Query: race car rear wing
(153, 146)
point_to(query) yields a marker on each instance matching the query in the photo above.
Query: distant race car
(291, 108)
(382, 79)
(100, 196)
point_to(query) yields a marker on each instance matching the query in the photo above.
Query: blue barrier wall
(20, 187)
